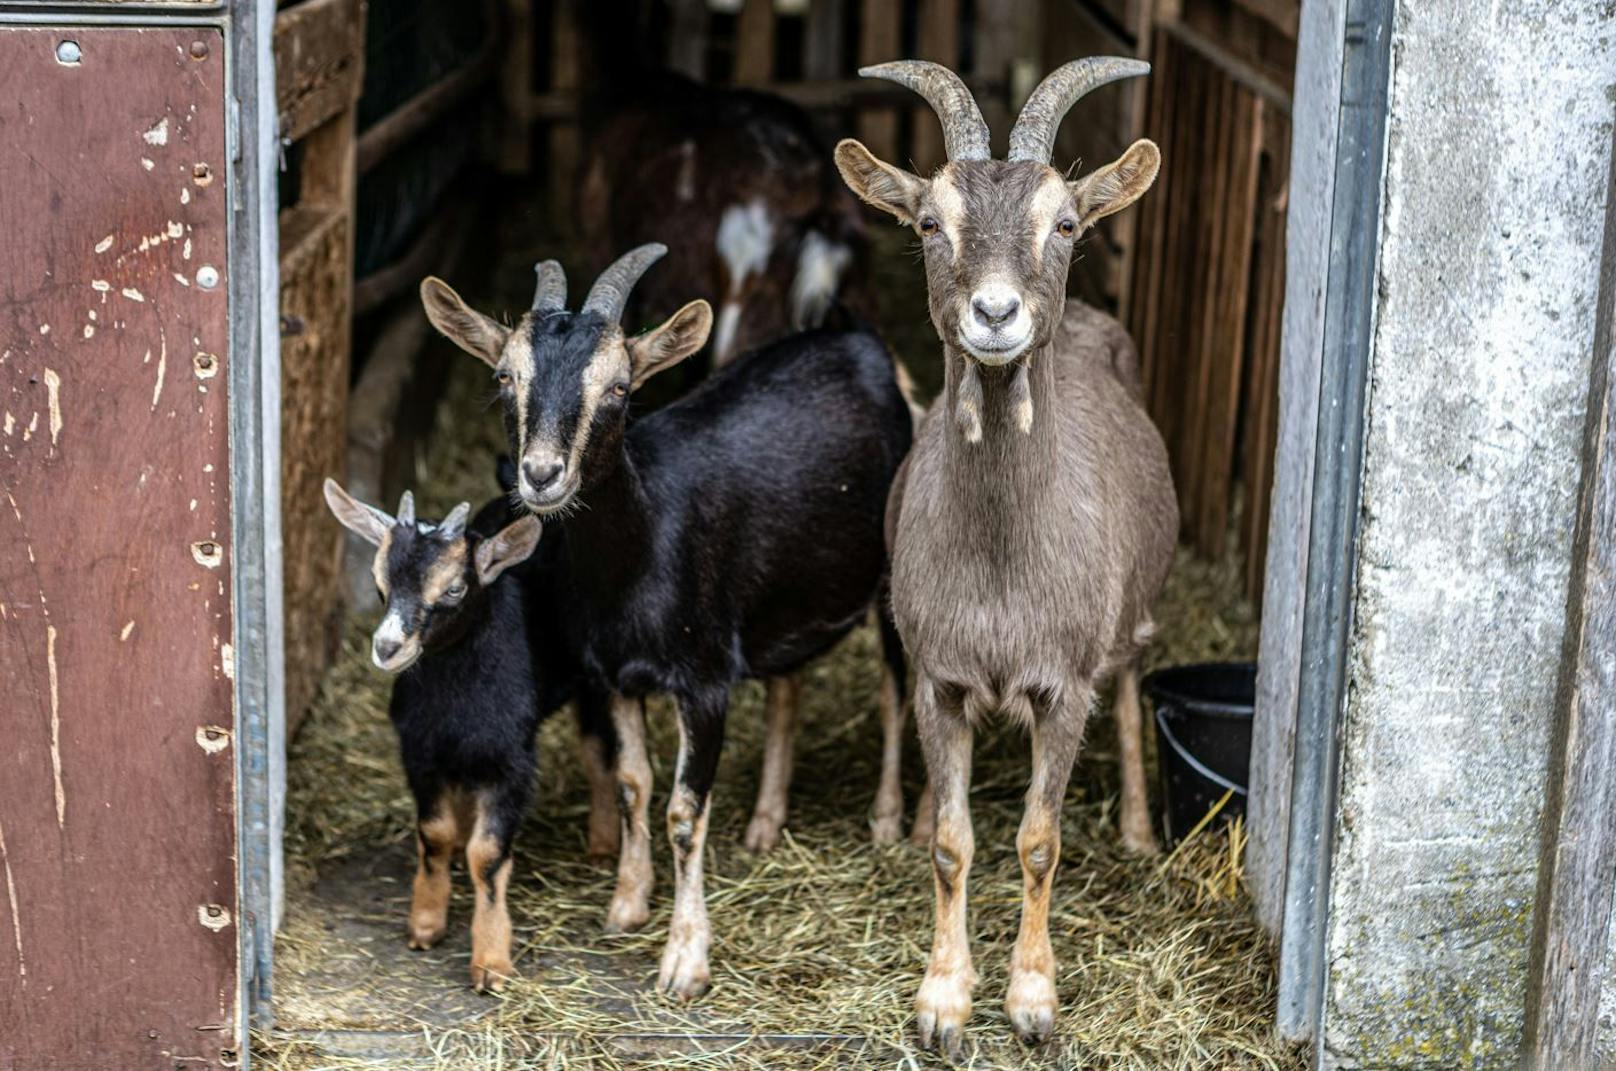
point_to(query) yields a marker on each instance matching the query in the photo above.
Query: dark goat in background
(468, 699)
(735, 533)
(747, 187)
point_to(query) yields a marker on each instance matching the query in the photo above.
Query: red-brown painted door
(118, 899)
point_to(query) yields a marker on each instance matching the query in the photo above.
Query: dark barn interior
(470, 141)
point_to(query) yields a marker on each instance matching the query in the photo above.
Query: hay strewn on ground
(1160, 964)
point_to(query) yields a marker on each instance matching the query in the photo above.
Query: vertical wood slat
(1226, 343)
(994, 44)
(1182, 157)
(822, 47)
(879, 38)
(754, 43)
(1262, 404)
(1144, 319)
(687, 50)
(515, 85)
(566, 46)
(938, 41)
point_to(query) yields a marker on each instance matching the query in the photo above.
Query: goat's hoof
(491, 974)
(626, 916)
(1031, 1006)
(1139, 840)
(762, 833)
(424, 935)
(886, 830)
(941, 1009)
(684, 972)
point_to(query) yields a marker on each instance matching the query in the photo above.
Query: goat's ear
(366, 522)
(510, 546)
(682, 334)
(1118, 184)
(460, 323)
(891, 189)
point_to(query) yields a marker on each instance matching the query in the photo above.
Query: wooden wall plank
(754, 43)
(937, 40)
(566, 72)
(879, 41)
(319, 62)
(687, 49)
(117, 784)
(823, 46)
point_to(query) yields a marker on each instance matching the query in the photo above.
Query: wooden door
(118, 912)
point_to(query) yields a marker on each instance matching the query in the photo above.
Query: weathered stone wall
(1498, 159)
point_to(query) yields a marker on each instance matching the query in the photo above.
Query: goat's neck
(612, 529)
(1005, 449)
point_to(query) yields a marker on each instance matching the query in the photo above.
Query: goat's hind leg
(1137, 836)
(1030, 1001)
(944, 1002)
(774, 788)
(886, 818)
(597, 743)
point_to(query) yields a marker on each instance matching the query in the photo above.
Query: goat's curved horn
(610, 293)
(1033, 136)
(551, 295)
(965, 132)
(406, 509)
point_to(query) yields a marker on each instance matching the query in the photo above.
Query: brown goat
(1034, 522)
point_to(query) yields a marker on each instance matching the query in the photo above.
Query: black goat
(736, 533)
(468, 699)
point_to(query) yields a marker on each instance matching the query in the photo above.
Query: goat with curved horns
(1034, 522)
(735, 533)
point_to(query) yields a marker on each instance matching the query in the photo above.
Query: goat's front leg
(685, 972)
(631, 902)
(488, 858)
(944, 1002)
(1137, 835)
(1030, 1001)
(436, 834)
(597, 744)
(774, 789)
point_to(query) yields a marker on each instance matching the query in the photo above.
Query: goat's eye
(1066, 227)
(928, 226)
(456, 590)
(503, 376)
(620, 390)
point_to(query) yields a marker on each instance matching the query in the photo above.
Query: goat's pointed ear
(510, 546)
(1116, 185)
(366, 522)
(891, 189)
(682, 334)
(467, 328)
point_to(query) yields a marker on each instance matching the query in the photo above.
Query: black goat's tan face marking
(998, 238)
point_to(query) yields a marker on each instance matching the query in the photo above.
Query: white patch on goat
(391, 630)
(820, 265)
(745, 240)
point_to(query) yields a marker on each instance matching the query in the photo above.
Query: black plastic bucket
(1203, 733)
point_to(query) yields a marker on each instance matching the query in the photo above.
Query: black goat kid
(466, 704)
(736, 533)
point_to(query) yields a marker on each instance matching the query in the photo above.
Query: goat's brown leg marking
(1137, 835)
(774, 789)
(925, 818)
(603, 818)
(490, 868)
(944, 1002)
(631, 902)
(886, 820)
(1030, 1001)
(435, 842)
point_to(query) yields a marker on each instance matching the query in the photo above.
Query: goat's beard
(968, 399)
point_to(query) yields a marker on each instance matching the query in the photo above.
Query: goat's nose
(541, 475)
(385, 649)
(992, 310)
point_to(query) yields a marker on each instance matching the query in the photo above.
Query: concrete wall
(1498, 159)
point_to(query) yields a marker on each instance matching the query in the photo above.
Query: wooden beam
(319, 63)
(938, 41)
(516, 86)
(879, 41)
(754, 43)
(566, 69)
(403, 123)
(823, 48)
(1577, 867)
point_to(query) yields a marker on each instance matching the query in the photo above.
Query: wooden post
(565, 67)
(824, 44)
(687, 51)
(878, 42)
(938, 42)
(516, 86)
(754, 43)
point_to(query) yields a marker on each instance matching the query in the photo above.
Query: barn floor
(818, 946)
